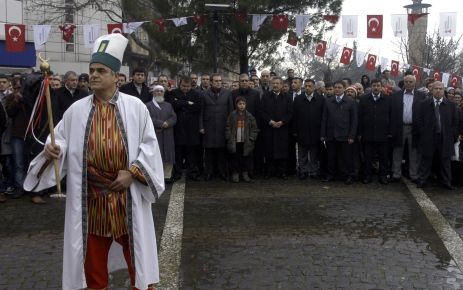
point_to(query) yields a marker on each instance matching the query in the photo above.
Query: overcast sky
(386, 46)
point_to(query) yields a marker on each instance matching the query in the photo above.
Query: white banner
(427, 71)
(399, 25)
(91, 33)
(448, 24)
(131, 26)
(180, 21)
(41, 33)
(301, 24)
(349, 26)
(360, 58)
(257, 21)
(445, 79)
(333, 50)
(384, 63)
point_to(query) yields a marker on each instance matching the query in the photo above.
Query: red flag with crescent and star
(280, 22)
(437, 76)
(160, 23)
(416, 72)
(199, 20)
(240, 17)
(292, 38)
(394, 68)
(67, 31)
(15, 37)
(320, 49)
(454, 81)
(116, 28)
(374, 26)
(346, 55)
(331, 18)
(371, 62)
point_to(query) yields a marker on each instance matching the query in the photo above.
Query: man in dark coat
(306, 124)
(276, 112)
(137, 86)
(213, 121)
(338, 131)
(187, 105)
(438, 130)
(375, 130)
(405, 105)
(68, 94)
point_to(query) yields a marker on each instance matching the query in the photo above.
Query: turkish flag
(15, 37)
(374, 26)
(292, 38)
(437, 76)
(67, 31)
(394, 68)
(346, 55)
(320, 49)
(199, 19)
(371, 62)
(159, 22)
(331, 18)
(280, 22)
(240, 17)
(416, 72)
(115, 28)
(454, 81)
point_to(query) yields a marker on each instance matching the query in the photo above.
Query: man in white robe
(83, 150)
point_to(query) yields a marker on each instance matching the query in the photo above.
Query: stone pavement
(311, 235)
(270, 234)
(31, 244)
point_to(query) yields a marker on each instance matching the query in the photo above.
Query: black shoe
(284, 176)
(267, 176)
(420, 184)
(303, 176)
(18, 193)
(348, 181)
(223, 177)
(395, 179)
(383, 180)
(208, 177)
(366, 180)
(315, 177)
(328, 179)
(448, 187)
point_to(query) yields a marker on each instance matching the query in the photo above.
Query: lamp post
(215, 8)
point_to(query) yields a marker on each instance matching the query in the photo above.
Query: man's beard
(159, 99)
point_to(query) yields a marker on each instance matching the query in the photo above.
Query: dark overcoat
(339, 120)
(375, 118)
(397, 117)
(277, 108)
(130, 89)
(165, 136)
(307, 118)
(214, 113)
(426, 122)
(187, 107)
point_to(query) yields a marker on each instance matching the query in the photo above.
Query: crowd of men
(331, 131)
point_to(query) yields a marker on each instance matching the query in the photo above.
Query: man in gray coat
(214, 113)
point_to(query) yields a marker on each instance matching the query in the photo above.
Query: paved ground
(31, 244)
(311, 235)
(266, 235)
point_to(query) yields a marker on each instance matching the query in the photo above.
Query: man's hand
(122, 182)
(350, 140)
(165, 125)
(202, 131)
(51, 152)
(190, 103)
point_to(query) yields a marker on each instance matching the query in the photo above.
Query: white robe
(139, 137)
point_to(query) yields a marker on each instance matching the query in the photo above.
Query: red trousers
(96, 260)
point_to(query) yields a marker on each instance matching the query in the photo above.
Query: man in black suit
(67, 94)
(137, 87)
(375, 130)
(276, 112)
(405, 106)
(438, 131)
(306, 124)
(338, 131)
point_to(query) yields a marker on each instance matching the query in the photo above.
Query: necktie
(375, 97)
(437, 114)
(338, 99)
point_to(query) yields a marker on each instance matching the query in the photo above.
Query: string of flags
(372, 61)
(15, 34)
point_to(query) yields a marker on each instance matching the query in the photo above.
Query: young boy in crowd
(241, 133)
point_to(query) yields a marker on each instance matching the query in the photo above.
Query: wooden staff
(45, 68)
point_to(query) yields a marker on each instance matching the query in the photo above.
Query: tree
(236, 40)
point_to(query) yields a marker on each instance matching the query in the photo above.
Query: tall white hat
(109, 50)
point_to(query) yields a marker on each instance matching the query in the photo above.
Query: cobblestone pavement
(31, 244)
(313, 235)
